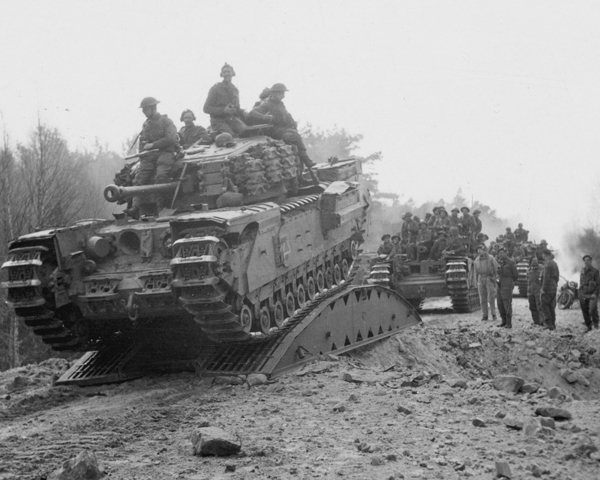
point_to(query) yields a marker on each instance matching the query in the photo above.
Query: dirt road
(395, 410)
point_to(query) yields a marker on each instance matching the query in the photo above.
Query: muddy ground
(338, 418)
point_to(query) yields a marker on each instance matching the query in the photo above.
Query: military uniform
(521, 234)
(160, 131)
(534, 287)
(550, 277)
(507, 276)
(456, 245)
(190, 135)
(438, 247)
(284, 126)
(589, 288)
(486, 269)
(221, 95)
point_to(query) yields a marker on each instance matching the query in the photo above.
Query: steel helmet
(223, 139)
(279, 87)
(148, 102)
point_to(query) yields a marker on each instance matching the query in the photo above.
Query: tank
(453, 276)
(243, 241)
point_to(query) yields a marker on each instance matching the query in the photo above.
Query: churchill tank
(244, 265)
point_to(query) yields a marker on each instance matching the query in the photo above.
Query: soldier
(189, 134)
(589, 288)
(550, 277)
(518, 253)
(424, 241)
(509, 241)
(466, 222)
(477, 225)
(443, 221)
(387, 248)
(486, 268)
(539, 250)
(273, 112)
(521, 234)
(456, 245)
(159, 138)
(454, 218)
(223, 105)
(433, 218)
(507, 276)
(407, 220)
(534, 287)
(438, 246)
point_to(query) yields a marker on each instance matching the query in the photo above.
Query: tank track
(465, 298)
(221, 316)
(522, 268)
(31, 283)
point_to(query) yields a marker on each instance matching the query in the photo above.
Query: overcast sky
(499, 98)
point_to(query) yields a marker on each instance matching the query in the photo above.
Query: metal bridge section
(343, 319)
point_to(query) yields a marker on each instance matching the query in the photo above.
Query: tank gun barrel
(114, 193)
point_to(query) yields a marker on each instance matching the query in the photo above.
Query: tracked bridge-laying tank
(265, 284)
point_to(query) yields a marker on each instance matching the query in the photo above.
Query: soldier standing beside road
(589, 288)
(550, 277)
(507, 276)
(486, 268)
(223, 105)
(534, 287)
(273, 112)
(158, 133)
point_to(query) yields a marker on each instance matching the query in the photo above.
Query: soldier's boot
(503, 324)
(508, 323)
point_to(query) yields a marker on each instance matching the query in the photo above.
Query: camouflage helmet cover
(148, 102)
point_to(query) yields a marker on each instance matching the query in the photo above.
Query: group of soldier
(496, 277)
(159, 140)
(436, 235)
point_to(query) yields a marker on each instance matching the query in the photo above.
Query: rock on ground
(82, 467)
(213, 441)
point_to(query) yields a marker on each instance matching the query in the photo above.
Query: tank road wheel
(320, 281)
(354, 249)
(278, 314)
(345, 269)
(337, 274)
(328, 277)
(301, 295)
(246, 319)
(311, 288)
(290, 304)
(264, 322)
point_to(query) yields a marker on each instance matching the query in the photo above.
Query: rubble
(213, 441)
(559, 414)
(508, 383)
(82, 467)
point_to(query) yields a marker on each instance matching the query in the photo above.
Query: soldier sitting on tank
(518, 253)
(273, 112)
(387, 248)
(443, 221)
(190, 133)
(521, 234)
(432, 219)
(424, 241)
(438, 246)
(456, 245)
(406, 222)
(223, 105)
(159, 138)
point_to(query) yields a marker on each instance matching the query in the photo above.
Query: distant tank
(240, 245)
